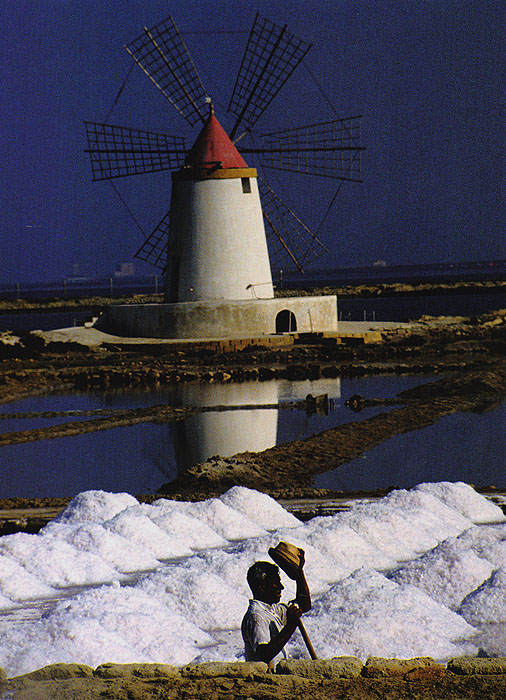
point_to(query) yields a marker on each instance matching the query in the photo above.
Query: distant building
(125, 269)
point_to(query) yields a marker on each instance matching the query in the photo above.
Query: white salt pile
(413, 574)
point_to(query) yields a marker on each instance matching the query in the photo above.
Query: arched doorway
(286, 322)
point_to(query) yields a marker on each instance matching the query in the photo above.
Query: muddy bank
(470, 353)
(343, 678)
(299, 461)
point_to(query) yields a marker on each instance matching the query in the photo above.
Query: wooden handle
(306, 639)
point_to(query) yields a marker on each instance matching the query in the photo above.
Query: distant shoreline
(96, 303)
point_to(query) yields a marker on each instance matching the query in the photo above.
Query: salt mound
(487, 542)
(464, 499)
(345, 545)
(259, 507)
(197, 593)
(226, 521)
(435, 518)
(191, 607)
(95, 506)
(17, 584)
(132, 524)
(56, 562)
(120, 625)
(123, 554)
(192, 532)
(368, 615)
(447, 573)
(486, 603)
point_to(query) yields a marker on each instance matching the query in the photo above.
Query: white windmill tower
(217, 224)
(212, 243)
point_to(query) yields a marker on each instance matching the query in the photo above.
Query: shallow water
(140, 458)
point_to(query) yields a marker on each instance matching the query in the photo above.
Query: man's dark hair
(258, 572)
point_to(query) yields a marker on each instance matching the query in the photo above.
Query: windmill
(212, 243)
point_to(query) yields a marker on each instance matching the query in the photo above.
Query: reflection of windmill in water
(212, 244)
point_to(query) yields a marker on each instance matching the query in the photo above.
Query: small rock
(60, 672)
(469, 666)
(111, 670)
(380, 668)
(219, 668)
(339, 667)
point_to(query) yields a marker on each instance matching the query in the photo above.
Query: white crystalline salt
(432, 516)
(133, 525)
(5, 603)
(345, 545)
(447, 573)
(487, 542)
(226, 521)
(259, 507)
(464, 499)
(123, 554)
(17, 584)
(487, 602)
(191, 606)
(121, 625)
(95, 506)
(382, 527)
(197, 594)
(368, 615)
(57, 563)
(192, 532)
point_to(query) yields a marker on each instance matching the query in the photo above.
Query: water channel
(140, 458)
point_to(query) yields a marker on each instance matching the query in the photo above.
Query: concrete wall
(207, 319)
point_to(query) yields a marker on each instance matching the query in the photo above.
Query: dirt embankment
(469, 351)
(342, 678)
(298, 462)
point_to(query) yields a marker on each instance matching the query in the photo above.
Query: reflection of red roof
(213, 146)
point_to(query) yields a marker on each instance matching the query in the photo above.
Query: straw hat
(288, 557)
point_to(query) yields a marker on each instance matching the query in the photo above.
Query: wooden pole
(306, 639)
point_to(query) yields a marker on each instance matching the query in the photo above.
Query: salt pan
(190, 607)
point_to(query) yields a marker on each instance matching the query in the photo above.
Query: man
(268, 624)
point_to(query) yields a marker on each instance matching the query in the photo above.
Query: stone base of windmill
(221, 319)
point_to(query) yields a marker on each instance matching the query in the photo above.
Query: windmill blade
(154, 249)
(118, 151)
(329, 149)
(270, 57)
(290, 240)
(162, 54)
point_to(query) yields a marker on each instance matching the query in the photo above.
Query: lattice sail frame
(270, 57)
(118, 151)
(154, 250)
(328, 149)
(285, 231)
(162, 54)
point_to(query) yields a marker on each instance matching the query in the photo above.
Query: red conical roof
(214, 146)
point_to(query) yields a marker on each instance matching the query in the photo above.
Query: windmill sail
(290, 241)
(118, 151)
(329, 149)
(271, 56)
(163, 56)
(154, 248)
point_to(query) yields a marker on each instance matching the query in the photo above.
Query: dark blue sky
(428, 76)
